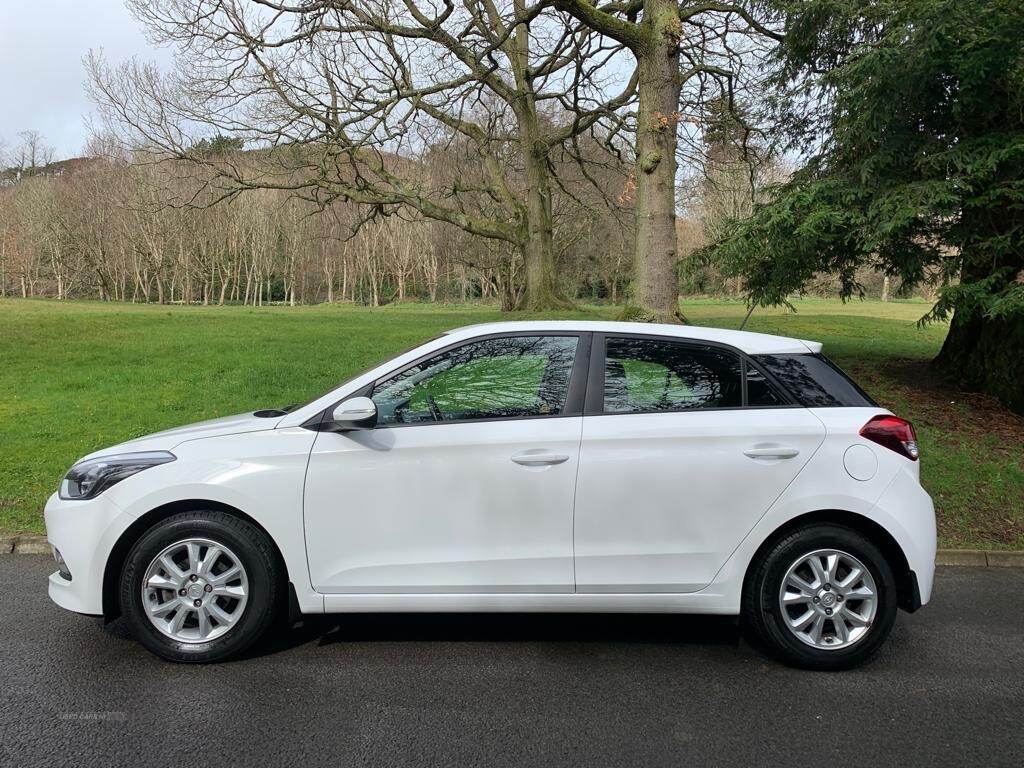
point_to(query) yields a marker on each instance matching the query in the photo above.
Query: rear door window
(815, 381)
(647, 375)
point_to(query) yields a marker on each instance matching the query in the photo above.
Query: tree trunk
(986, 353)
(344, 275)
(655, 295)
(540, 291)
(432, 277)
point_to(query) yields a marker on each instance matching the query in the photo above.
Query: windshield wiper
(273, 413)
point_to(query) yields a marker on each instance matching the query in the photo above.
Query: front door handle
(771, 452)
(539, 458)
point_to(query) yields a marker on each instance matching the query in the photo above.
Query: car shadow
(569, 628)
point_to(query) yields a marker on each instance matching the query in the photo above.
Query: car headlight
(89, 478)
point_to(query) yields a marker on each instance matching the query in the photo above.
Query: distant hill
(57, 168)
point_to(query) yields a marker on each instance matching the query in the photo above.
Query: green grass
(75, 377)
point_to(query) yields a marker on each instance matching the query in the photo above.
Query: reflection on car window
(815, 381)
(648, 375)
(760, 393)
(508, 377)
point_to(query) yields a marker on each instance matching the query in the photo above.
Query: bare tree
(688, 52)
(344, 96)
(106, 228)
(32, 152)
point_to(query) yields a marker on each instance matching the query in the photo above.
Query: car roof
(751, 343)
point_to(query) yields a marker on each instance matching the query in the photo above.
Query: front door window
(499, 378)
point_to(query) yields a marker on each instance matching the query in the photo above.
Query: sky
(42, 44)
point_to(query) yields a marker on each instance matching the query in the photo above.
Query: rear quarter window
(815, 381)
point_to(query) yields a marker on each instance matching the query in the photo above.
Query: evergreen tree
(911, 116)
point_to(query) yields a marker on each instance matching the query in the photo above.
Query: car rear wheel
(200, 586)
(822, 597)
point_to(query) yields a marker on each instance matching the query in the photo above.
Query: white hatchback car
(520, 466)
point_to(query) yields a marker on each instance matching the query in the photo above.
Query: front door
(678, 464)
(467, 482)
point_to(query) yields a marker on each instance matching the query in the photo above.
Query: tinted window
(814, 381)
(649, 375)
(761, 394)
(495, 378)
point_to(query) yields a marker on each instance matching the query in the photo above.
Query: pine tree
(911, 116)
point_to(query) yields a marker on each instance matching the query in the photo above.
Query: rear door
(685, 446)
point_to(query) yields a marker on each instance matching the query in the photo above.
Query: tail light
(894, 433)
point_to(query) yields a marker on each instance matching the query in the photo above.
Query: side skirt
(702, 602)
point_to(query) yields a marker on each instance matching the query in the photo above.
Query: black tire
(763, 616)
(257, 556)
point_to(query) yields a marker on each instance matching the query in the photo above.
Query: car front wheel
(822, 597)
(200, 586)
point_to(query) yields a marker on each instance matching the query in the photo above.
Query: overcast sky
(42, 44)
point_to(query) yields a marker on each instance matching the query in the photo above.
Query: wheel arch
(908, 596)
(119, 552)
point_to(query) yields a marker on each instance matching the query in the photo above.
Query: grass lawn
(79, 376)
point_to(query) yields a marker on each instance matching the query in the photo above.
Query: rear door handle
(771, 452)
(539, 458)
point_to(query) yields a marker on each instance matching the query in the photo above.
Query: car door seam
(575, 490)
(771, 506)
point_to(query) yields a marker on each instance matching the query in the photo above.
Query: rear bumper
(906, 511)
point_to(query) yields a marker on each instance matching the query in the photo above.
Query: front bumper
(85, 533)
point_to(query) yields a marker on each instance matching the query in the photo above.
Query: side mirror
(354, 413)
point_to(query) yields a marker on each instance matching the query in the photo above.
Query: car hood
(169, 438)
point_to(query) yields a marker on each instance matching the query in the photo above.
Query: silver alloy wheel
(828, 599)
(195, 590)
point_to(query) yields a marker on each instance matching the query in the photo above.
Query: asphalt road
(948, 689)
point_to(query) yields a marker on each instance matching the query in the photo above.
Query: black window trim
(573, 400)
(586, 380)
(871, 402)
(594, 405)
(774, 384)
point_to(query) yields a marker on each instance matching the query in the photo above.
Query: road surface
(948, 689)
